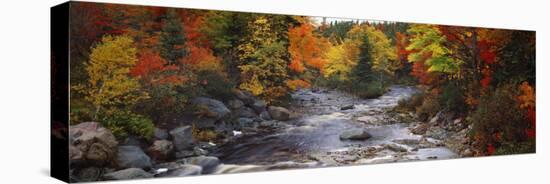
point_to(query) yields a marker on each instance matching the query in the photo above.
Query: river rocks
(355, 134)
(246, 122)
(160, 150)
(265, 115)
(245, 96)
(130, 173)
(347, 107)
(183, 170)
(160, 134)
(420, 129)
(467, 153)
(258, 106)
(279, 113)
(183, 138)
(247, 113)
(185, 154)
(92, 143)
(211, 108)
(235, 104)
(132, 157)
(396, 148)
(208, 163)
(437, 132)
(88, 174)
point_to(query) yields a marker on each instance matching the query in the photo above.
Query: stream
(311, 137)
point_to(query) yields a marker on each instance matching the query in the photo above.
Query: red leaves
(486, 81)
(490, 149)
(148, 63)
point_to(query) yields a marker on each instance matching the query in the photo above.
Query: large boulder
(208, 163)
(278, 113)
(183, 138)
(420, 129)
(211, 108)
(130, 173)
(258, 106)
(91, 143)
(247, 113)
(246, 97)
(265, 116)
(132, 157)
(246, 122)
(355, 134)
(161, 150)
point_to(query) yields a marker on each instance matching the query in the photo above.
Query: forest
(189, 85)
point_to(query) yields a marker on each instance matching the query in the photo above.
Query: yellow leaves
(339, 62)
(253, 85)
(108, 71)
(383, 53)
(297, 84)
(527, 96)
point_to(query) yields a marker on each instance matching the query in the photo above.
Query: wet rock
(208, 163)
(396, 148)
(211, 108)
(355, 134)
(347, 107)
(246, 122)
(432, 157)
(92, 143)
(247, 113)
(185, 154)
(235, 104)
(279, 113)
(265, 115)
(420, 129)
(267, 124)
(205, 122)
(131, 140)
(132, 157)
(436, 132)
(246, 97)
(199, 151)
(183, 138)
(89, 174)
(160, 134)
(130, 173)
(258, 106)
(183, 170)
(160, 150)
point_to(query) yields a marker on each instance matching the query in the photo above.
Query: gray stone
(208, 163)
(160, 134)
(160, 150)
(92, 143)
(89, 174)
(185, 154)
(265, 115)
(247, 113)
(347, 107)
(183, 170)
(244, 96)
(130, 173)
(211, 108)
(396, 148)
(258, 106)
(246, 122)
(183, 138)
(235, 104)
(420, 129)
(355, 134)
(279, 113)
(199, 151)
(205, 122)
(132, 157)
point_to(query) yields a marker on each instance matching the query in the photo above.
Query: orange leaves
(151, 68)
(306, 48)
(201, 58)
(297, 84)
(527, 96)
(526, 101)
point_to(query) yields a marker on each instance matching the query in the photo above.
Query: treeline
(485, 75)
(135, 66)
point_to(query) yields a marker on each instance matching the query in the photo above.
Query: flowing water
(312, 136)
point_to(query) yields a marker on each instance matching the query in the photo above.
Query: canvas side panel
(59, 35)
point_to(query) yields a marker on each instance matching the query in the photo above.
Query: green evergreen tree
(172, 39)
(362, 73)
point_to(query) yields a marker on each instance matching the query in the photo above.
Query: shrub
(410, 104)
(123, 123)
(499, 123)
(204, 134)
(452, 98)
(430, 106)
(167, 100)
(369, 90)
(215, 84)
